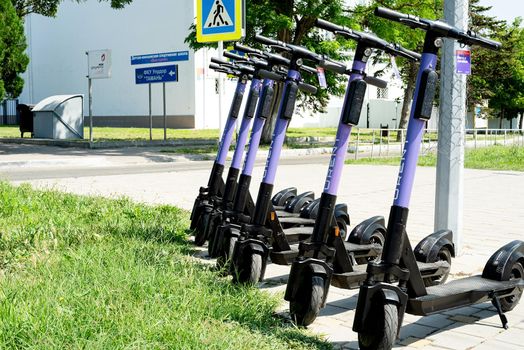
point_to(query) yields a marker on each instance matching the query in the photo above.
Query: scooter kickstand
(496, 302)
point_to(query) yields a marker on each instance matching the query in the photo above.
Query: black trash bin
(384, 130)
(26, 119)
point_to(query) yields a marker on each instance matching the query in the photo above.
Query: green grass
(130, 134)
(492, 157)
(93, 273)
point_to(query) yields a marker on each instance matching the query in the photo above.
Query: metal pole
(220, 89)
(150, 116)
(165, 115)
(450, 156)
(90, 99)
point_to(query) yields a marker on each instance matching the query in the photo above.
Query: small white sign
(99, 64)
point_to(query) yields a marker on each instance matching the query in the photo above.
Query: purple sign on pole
(463, 58)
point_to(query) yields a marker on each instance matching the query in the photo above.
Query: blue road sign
(160, 57)
(219, 20)
(161, 74)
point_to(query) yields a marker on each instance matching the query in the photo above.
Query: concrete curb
(108, 144)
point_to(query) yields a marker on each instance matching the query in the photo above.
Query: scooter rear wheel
(306, 307)
(443, 255)
(384, 331)
(509, 303)
(376, 238)
(200, 229)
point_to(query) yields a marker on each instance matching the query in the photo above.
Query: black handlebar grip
(268, 41)
(308, 69)
(382, 84)
(334, 66)
(332, 27)
(474, 39)
(310, 89)
(410, 55)
(218, 60)
(234, 56)
(246, 49)
(271, 75)
(214, 66)
(390, 14)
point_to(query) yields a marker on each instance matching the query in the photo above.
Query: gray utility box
(59, 117)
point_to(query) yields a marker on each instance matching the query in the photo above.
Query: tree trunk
(521, 120)
(408, 96)
(501, 118)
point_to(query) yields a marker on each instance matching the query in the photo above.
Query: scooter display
(256, 241)
(327, 259)
(394, 284)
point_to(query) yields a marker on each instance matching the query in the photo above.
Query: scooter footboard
(243, 251)
(301, 273)
(428, 249)
(371, 297)
(501, 263)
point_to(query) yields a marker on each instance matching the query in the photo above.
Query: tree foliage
(49, 8)
(292, 21)
(12, 47)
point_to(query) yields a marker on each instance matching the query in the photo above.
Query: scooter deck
(355, 278)
(295, 220)
(286, 257)
(461, 292)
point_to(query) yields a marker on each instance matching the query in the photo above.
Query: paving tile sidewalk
(493, 215)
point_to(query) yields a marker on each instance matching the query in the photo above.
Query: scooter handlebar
(333, 66)
(398, 50)
(382, 84)
(271, 75)
(296, 50)
(219, 61)
(234, 56)
(307, 88)
(474, 39)
(247, 49)
(441, 28)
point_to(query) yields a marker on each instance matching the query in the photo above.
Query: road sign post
(98, 67)
(152, 75)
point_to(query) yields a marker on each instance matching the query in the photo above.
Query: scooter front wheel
(509, 303)
(443, 255)
(251, 270)
(384, 331)
(306, 307)
(200, 229)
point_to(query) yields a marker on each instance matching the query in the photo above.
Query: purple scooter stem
(414, 135)
(229, 130)
(256, 134)
(244, 131)
(340, 148)
(279, 136)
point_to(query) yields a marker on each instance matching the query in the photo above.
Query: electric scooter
(381, 302)
(327, 259)
(255, 241)
(204, 203)
(220, 246)
(212, 217)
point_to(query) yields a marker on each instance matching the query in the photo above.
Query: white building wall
(58, 65)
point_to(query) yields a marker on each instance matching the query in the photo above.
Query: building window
(382, 93)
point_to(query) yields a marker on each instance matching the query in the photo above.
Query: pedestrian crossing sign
(220, 20)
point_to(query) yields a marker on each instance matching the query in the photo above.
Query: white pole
(220, 89)
(450, 159)
(90, 101)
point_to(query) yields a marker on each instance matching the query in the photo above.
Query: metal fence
(371, 143)
(8, 112)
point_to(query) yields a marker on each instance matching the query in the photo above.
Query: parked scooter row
(393, 277)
